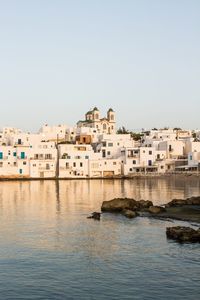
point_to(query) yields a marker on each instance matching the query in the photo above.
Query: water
(50, 250)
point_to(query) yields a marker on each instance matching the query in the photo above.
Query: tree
(135, 136)
(177, 128)
(122, 130)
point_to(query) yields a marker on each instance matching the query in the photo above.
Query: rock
(156, 209)
(144, 204)
(95, 216)
(129, 213)
(119, 204)
(183, 234)
(176, 202)
(193, 201)
(180, 202)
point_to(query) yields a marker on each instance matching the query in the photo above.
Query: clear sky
(59, 58)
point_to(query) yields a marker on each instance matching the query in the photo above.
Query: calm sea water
(50, 250)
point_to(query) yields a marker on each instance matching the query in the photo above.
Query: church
(105, 125)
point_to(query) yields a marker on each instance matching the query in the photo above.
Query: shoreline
(136, 176)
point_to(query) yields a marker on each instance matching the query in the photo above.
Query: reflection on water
(50, 250)
(49, 198)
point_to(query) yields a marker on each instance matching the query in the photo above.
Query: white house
(53, 133)
(43, 160)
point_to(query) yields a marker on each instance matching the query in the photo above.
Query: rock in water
(129, 213)
(183, 234)
(180, 202)
(119, 204)
(156, 209)
(144, 204)
(95, 216)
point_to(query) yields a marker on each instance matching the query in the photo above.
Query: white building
(74, 160)
(43, 160)
(102, 125)
(53, 133)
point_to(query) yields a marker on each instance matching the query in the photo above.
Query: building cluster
(93, 149)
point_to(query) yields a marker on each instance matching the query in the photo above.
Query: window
(108, 153)
(130, 170)
(134, 162)
(48, 156)
(47, 166)
(150, 152)
(74, 164)
(114, 163)
(86, 157)
(104, 126)
(24, 162)
(81, 164)
(1, 155)
(110, 144)
(15, 154)
(1, 164)
(22, 155)
(19, 141)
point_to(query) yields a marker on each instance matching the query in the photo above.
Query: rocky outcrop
(183, 234)
(180, 202)
(120, 204)
(156, 209)
(177, 209)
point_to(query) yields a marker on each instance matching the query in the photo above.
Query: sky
(60, 58)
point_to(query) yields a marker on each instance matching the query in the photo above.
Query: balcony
(133, 155)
